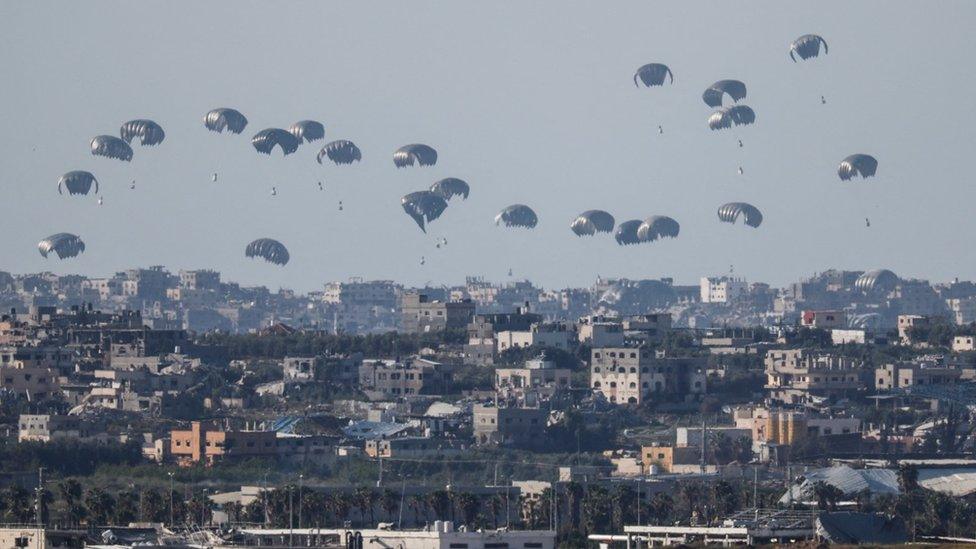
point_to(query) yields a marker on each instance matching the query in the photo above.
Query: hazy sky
(529, 102)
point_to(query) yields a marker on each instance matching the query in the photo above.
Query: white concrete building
(722, 289)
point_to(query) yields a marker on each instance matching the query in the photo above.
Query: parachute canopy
(730, 212)
(110, 146)
(218, 120)
(658, 226)
(878, 279)
(517, 215)
(626, 233)
(450, 187)
(591, 222)
(653, 74)
(307, 130)
(269, 250)
(807, 46)
(726, 117)
(265, 141)
(77, 182)
(863, 165)
(340, 152)
(64, 245)
(422, 155)
(713, 95)
(148, 132)
(423, 207)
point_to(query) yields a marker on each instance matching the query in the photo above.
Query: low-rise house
(413, 447)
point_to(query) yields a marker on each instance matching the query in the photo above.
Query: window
(596, 384)
(496, 545)
(532, 545)
(459, 546)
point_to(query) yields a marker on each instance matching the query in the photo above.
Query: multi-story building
(630, 375)
(908, 323)
(722, 289)
(826, 320)
(412, 376)
(903, 375)
(33, 384)
(362, 306)
(501, 425)
(558, 335)
(48, 427)
(420, 314)
(963, 343)
(536, 373)
(600, 331)
(300, 368)
(794, 376)
(200, 280)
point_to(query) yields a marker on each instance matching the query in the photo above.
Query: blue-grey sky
(530, 102)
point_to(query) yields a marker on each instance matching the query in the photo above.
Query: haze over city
(446, 274)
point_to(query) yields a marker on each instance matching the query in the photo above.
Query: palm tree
(418, 503)
(17, 504)
(661, 507)
(366, 500)
(339, 504)
(440, 502)
(468, 504)
(70, 491)
(389, 503)
(100, 505)
(827, 495)
(154, 507)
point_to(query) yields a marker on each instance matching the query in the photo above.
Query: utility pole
(170, 498)
(379, 479)
(755, 490)
(301, 477)
(38, 502)
(290, 523)
(704, 437)
(264, 497)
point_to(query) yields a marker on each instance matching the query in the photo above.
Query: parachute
(807, 46)
(265, 140)
(407, 155)
(591, 222)
(658, 226)
(423, 207)
(148, 132)
(77, 182)
(110, 146)
(863, 165)
(713, 95)
(626, 233)
(730, 212)
(878, 279)
(450, 187)
(218, 120)
(517, 215)
(726, 117)
(340, 152)
(269, 250)
(64, 245)
(653, 74)
(307, 130)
